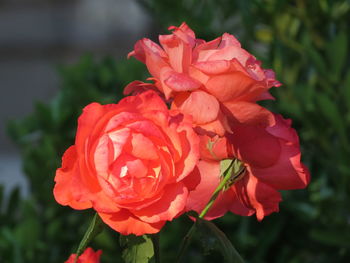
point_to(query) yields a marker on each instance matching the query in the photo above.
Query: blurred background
(58, 56)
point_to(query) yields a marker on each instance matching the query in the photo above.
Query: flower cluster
(161, 151)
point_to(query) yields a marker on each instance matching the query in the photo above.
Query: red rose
(270, 161)
(88, 256)
(215, 82)
(129, 163)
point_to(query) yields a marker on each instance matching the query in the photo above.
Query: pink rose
(129, 163)
(216, 82)
(270, 161)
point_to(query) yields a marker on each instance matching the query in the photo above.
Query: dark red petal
(254, 194)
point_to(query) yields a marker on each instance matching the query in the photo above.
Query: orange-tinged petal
(213, 67)
(135, 87)
(209, 172)
(219, 126)
(184, 32)
(137, 168)
(215, 148)
(186, 145)
(178, 51)
(151, 54)
(125, 223)
(229, 53)
(145, 102)
(248, 113)
(202, 106)
(88, 256)
(143, 147)
(229, 40)
(200, 51)
(103, 203)
(108, 148)
(87, 121)
(180, 82)
(234, 86)
(167, 208)
(65, 177)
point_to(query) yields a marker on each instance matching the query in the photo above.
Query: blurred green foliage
(305, 42)
(38, 229)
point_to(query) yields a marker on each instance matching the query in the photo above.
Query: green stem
(93, 230)
(188, 238)
(216, 192)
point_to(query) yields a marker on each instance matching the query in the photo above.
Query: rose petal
(172, 202)
(209, 173)
(287, 173)
(125, 223)
(213, 67)
(229, 53)
(234, 86)
(179, 81)
(65, 177)
(186, 145)
(184, 32)
(104, 203)
(248, 113)
(88, 256)
(87, 122)
(210, 179)
(228, 40)
(255, 146)
(145, 102)
(151, 54)
(108, 148)
(143, 147)
(237, 207)
(215, 148)
(202, 106)
(256, 195)
(178, 51)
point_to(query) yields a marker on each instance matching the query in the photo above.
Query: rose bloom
(270, 161)
(216, 82)
(88, 256)
(129, 163)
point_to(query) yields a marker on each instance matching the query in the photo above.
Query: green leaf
(346, 89)
(13, 202)
(7, 235)
(334, 237)
(137, 249)
(224, 165)
(337, 53)
(317, 60)
(210, 230)
(331, 113)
